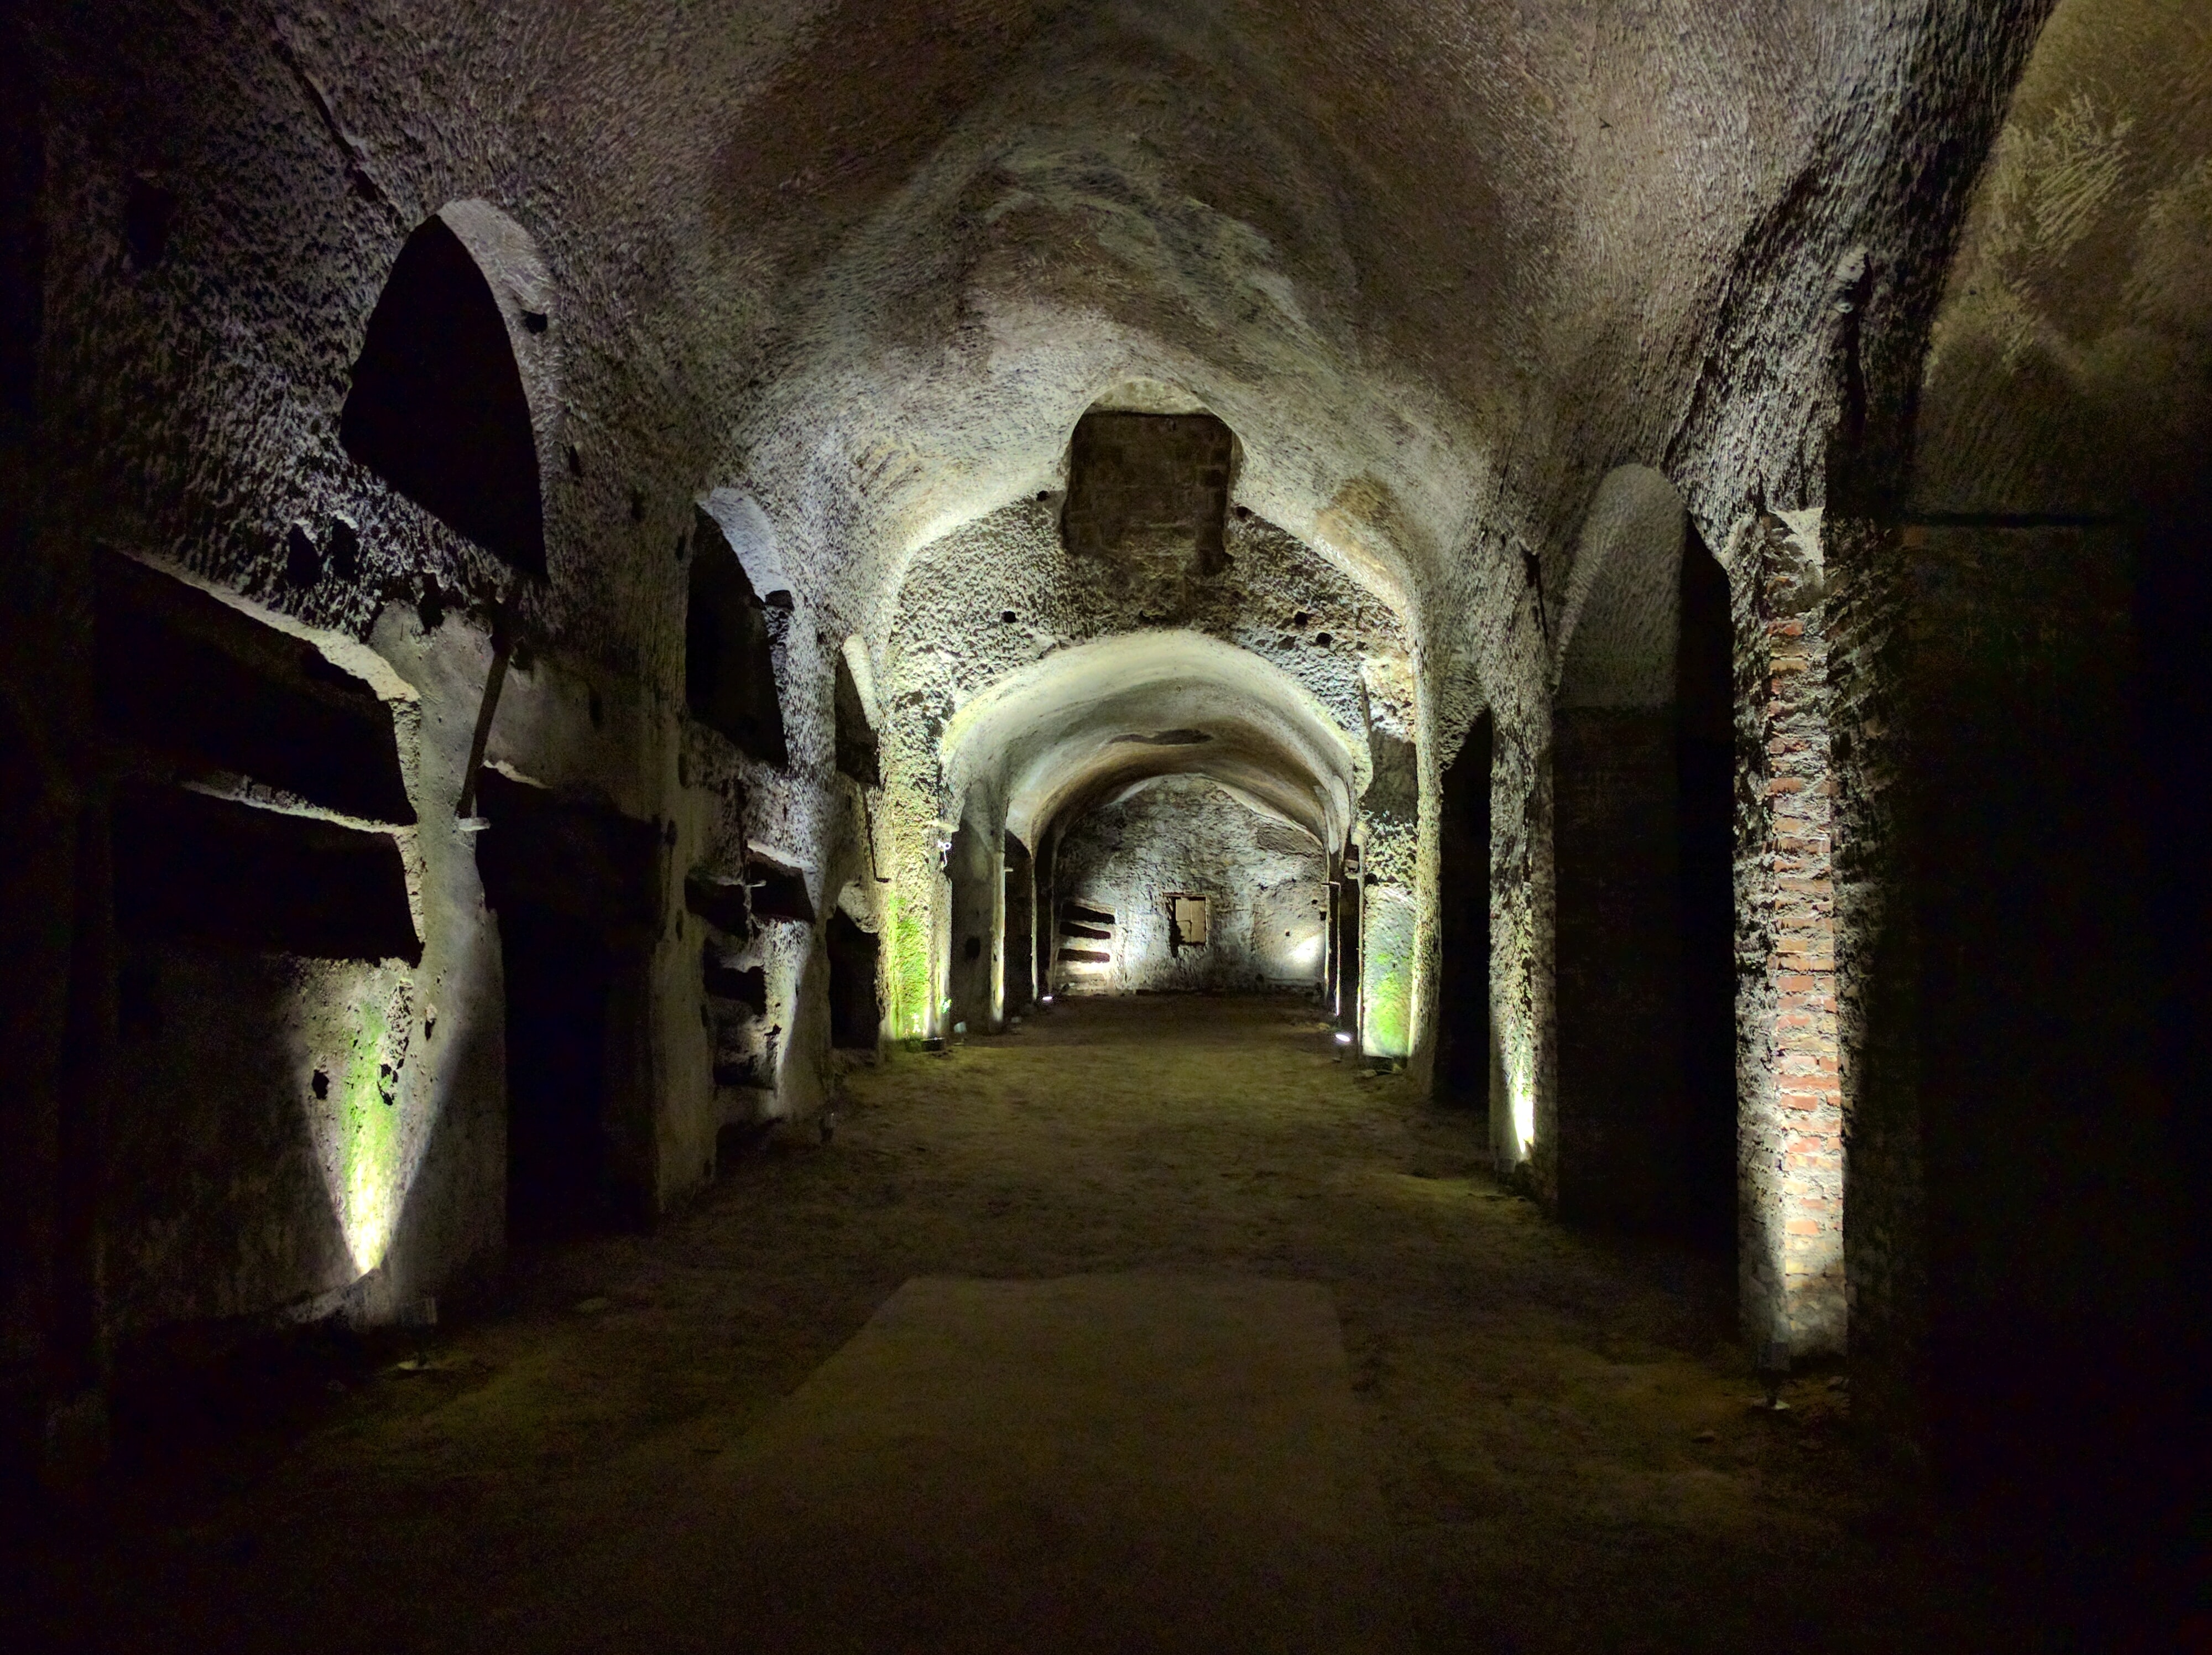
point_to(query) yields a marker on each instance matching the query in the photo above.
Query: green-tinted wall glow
(368, 1145)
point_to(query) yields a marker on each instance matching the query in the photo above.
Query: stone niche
(1150, 490)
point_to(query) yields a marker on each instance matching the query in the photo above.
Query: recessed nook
(439, 406)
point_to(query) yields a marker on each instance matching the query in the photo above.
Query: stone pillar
(1790, 1104)
(1329, 944)
(1389, 915)
(1021, 929)
(1524, 1094)
(1390, 922)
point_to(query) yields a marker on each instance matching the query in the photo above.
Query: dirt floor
(1558, 1423)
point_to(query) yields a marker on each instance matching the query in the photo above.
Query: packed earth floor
(1559, 1424)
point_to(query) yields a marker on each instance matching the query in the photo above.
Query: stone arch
(1088, 725)
(442, 404)
(2018, 683)
(1630, 1139)
(1619, 621)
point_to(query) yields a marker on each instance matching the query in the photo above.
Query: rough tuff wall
(1265, 883)
(312, 1135)
(214, 204)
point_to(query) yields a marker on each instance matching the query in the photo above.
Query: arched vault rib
(1081, 724)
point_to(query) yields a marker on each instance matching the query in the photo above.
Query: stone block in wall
(1149, 489)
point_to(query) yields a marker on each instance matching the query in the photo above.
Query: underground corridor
(1515, 1436)
(1214, 824)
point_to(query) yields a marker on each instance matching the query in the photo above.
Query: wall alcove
(438, 408)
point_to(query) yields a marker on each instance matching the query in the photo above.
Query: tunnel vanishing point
(574, 572)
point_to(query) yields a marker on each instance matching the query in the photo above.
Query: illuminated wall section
(1790, 1102)
(908, 961)
(1389, 925)
(1521, 957)
(367, 1140)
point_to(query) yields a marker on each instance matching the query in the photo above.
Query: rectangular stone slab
(1111, 1462)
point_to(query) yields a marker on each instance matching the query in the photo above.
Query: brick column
(1789, 1119)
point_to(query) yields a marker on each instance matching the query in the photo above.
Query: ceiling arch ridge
(997, 594)
(962, 307)
(871, 499)
(1046, 732)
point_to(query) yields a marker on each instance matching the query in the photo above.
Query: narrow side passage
(1558, 1424)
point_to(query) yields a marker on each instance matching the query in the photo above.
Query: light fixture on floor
(1343, 1037)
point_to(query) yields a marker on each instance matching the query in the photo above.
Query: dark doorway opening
(1021, 927)
(855, 1014)
(1706, 767)
(729, 650)
(576, 887)
(560, 988)
(1463, 1035)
